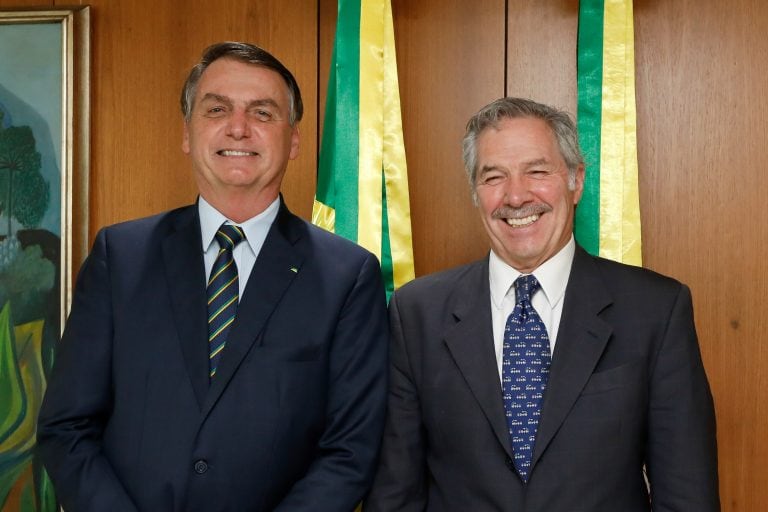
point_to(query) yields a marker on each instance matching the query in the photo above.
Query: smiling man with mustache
(542, 379)
(227, 355)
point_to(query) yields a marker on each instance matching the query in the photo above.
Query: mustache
(508, 212)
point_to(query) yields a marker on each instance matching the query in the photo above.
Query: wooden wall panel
(702, 81)
(541, 51)
(327, 31)
(5, 4)
(142, 51)
(450, 57)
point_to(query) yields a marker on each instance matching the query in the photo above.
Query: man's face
(238, 135)
(522, 188)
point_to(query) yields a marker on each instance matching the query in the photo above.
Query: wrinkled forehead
(524, 136)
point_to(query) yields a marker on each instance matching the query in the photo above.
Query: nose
(238, 126)
(517, 190)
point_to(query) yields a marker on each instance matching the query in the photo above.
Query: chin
(522, 255)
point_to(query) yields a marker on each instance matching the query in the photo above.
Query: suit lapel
(184, 266)
(277, 265)
(581, 340)
(470, 341)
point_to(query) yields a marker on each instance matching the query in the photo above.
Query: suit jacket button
(201, 466)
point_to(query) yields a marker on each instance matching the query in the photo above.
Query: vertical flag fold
(362, 179)
(608, 216)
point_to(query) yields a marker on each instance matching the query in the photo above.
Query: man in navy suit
(137, 416)
(625, 422)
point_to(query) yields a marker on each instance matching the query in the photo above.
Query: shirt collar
(552, 275)
(254, 228)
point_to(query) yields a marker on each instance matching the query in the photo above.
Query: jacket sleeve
(78, 400)
(682, 447)
(400, 480)
(347, 451)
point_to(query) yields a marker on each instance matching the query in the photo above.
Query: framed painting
(44, 121)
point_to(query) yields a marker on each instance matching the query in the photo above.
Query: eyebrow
(537, 161)
(527, 165)
(226, 100)
(487, 168)
(215, 97)
(266, 101)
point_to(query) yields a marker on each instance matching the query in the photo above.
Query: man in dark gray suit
(542, 378)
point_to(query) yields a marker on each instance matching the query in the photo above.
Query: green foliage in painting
(26, 277)
(32, 187)
(26, 192)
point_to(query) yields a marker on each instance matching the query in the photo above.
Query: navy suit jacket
(293, 418)
(627, 390)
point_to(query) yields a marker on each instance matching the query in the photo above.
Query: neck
(240, 207)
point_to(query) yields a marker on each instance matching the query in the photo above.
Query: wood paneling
(327, 28)
(450, 58)
(6, 4)
(702, 81)
(541, 51)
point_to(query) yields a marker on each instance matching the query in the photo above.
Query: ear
(578, 189)
(185, 139)
(294, 143)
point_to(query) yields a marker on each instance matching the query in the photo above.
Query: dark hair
(243, 52)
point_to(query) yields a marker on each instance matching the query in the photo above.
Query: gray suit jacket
(627, 389)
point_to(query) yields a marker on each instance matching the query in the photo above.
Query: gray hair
(510, 108)
(250, 54)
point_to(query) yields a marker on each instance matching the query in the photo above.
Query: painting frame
(44, 182)
(75, 131)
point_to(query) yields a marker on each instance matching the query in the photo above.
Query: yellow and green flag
(362, 179)
(608, 215)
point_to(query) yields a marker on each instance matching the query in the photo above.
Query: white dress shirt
(246, 252)
(552, 275)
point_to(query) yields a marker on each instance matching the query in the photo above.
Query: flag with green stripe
(608, 215)
(362, 179)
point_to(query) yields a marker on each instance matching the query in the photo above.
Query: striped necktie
(222, 291)
(525, 372)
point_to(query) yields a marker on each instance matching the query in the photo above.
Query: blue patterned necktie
(222, 291)
(525, 371)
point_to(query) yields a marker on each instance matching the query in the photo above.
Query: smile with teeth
(232, 152)
(524, 221)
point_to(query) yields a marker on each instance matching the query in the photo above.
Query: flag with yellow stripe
(608, 215)
(362, 179)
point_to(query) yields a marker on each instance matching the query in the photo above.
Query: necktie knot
(525, 287)
(229, 236)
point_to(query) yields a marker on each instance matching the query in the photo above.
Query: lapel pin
(294, 270)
